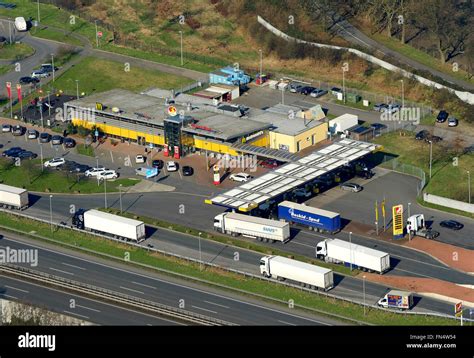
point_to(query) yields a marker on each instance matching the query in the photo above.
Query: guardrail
(117, 297)
(239, 272)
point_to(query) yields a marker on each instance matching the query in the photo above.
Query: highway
(153, 287)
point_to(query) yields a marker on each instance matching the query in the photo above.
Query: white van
(20, 24)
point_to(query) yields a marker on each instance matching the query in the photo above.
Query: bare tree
(383, 13)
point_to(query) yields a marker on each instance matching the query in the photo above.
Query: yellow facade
(120, 132)
(299, 142)
(214, 146)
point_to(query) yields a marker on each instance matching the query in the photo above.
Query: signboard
(172, 111)
(96, 133)
(99, 33)
(458, 309)
(99, 106)
(397, 214)
(216, 175)
(176, 152)
(151, 172)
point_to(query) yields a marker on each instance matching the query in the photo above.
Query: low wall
(449, 203)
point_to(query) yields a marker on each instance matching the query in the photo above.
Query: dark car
(451, 224)
(18, 130)
(44, 137)
(187, 170)
(422, 135)
(296, 87)
(378, 126)
(158, 163)
(434, 139)
(56, 140)
(307, 90)
(26, 154)
(27, 80)
(69, 143)
(270, 163)
(380, 107)
(12, 151)
(442, 116)
(431, 234)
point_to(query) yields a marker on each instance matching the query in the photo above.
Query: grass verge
(16, 51)
(213, 276)
(85, 150)
(57, 35)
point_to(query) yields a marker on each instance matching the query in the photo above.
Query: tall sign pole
(397, 213)
(9, 91)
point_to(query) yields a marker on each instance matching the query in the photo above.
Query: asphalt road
(85, 309)
(143, 284)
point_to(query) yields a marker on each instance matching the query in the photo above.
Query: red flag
(18, 89)
(9, 90)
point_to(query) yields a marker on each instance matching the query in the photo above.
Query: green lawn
(56, 35)
(211, 276)
(85, 150)
(4, 69)
(16, 51)
(30, 176)
(97, 75)
(449, 176)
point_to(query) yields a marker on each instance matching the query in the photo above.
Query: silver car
(355, 188)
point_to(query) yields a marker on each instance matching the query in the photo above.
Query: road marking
(142, 284)
(416, 273)
(289, 324)
(80, 268)
(69, 273)
(179, 172)
(88, 308)
(18, 289)
(131, 289)
(204, 309)
(112, 156)
(149, 324)
(216, 304)
(9, 296)
(76, 314)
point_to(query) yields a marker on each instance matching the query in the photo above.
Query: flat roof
(292, 175)
(284, 125)
(358, 248)
(309, 209)
(257, 220)
(300, 265)
(109, 216)
(11, 189)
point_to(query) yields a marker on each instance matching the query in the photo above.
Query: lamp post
(350, 248)
(41, 156)
(200, 253)
(96, 35)
(51, 212)
(261, 63)
(363, 290)
(181, 35)
(403, 95)
(409, 231)
(469, 186)
(120, 197)
(431, 155)
(105, 192)
(77, 89)
(49, 106)
(38, 3)
(52, 64)
(344, 83)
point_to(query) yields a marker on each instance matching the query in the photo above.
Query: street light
(49, 106)
(120, 196)
(469, 186)
(350, 248)
(77, 89)
(363, 289)
(431, 155)
(344, 83)
(96, 35)
(51, 212)
(38, 10)
(105, 192)
(403, 95)
(181, 35)
(409, 231)
(52, 64)
(261, 63)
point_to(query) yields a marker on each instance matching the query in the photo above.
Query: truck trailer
(397, 299)
(13, 198)
(310, 276)
(313, 218)
(112, 225)
(250, 226)
(364, 258)
(342, 123)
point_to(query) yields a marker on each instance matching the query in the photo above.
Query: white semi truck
(364, 258)
(109, 224)
(397, 299)
(250, 226)
(310, 276)
(416, 225)
(13, 198)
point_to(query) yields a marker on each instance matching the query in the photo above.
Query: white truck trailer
(364, 258)
(342, 123)
(110, 225)
(250, 226)
(311, 276)
(13, 198)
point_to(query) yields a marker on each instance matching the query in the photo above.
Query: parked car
(380, 107)
(26, 154)
(6, 128)
(55, 162)
(44, 137)
(451, 224)
(351, 187)
(27, 80)
(301, 192)
(32, 134)
(431, 234)
(94, 172)
(69, 143)
(187, 171)
(56, 140)
(18, 130)
(240, 177)
(171, 166)
(452, 122)
(146, 171)
(107, 175)
(270, 163)
(391, 108)
(12, 151)
(296, 87)
(81, 168)
(442, 116)
(307, 90)
(140, 159)
(422, 135)
(318, 92)
(158, 163)
(335, 91)
(39, 74)
(47, 67)
(378, 126)
(434, 139)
